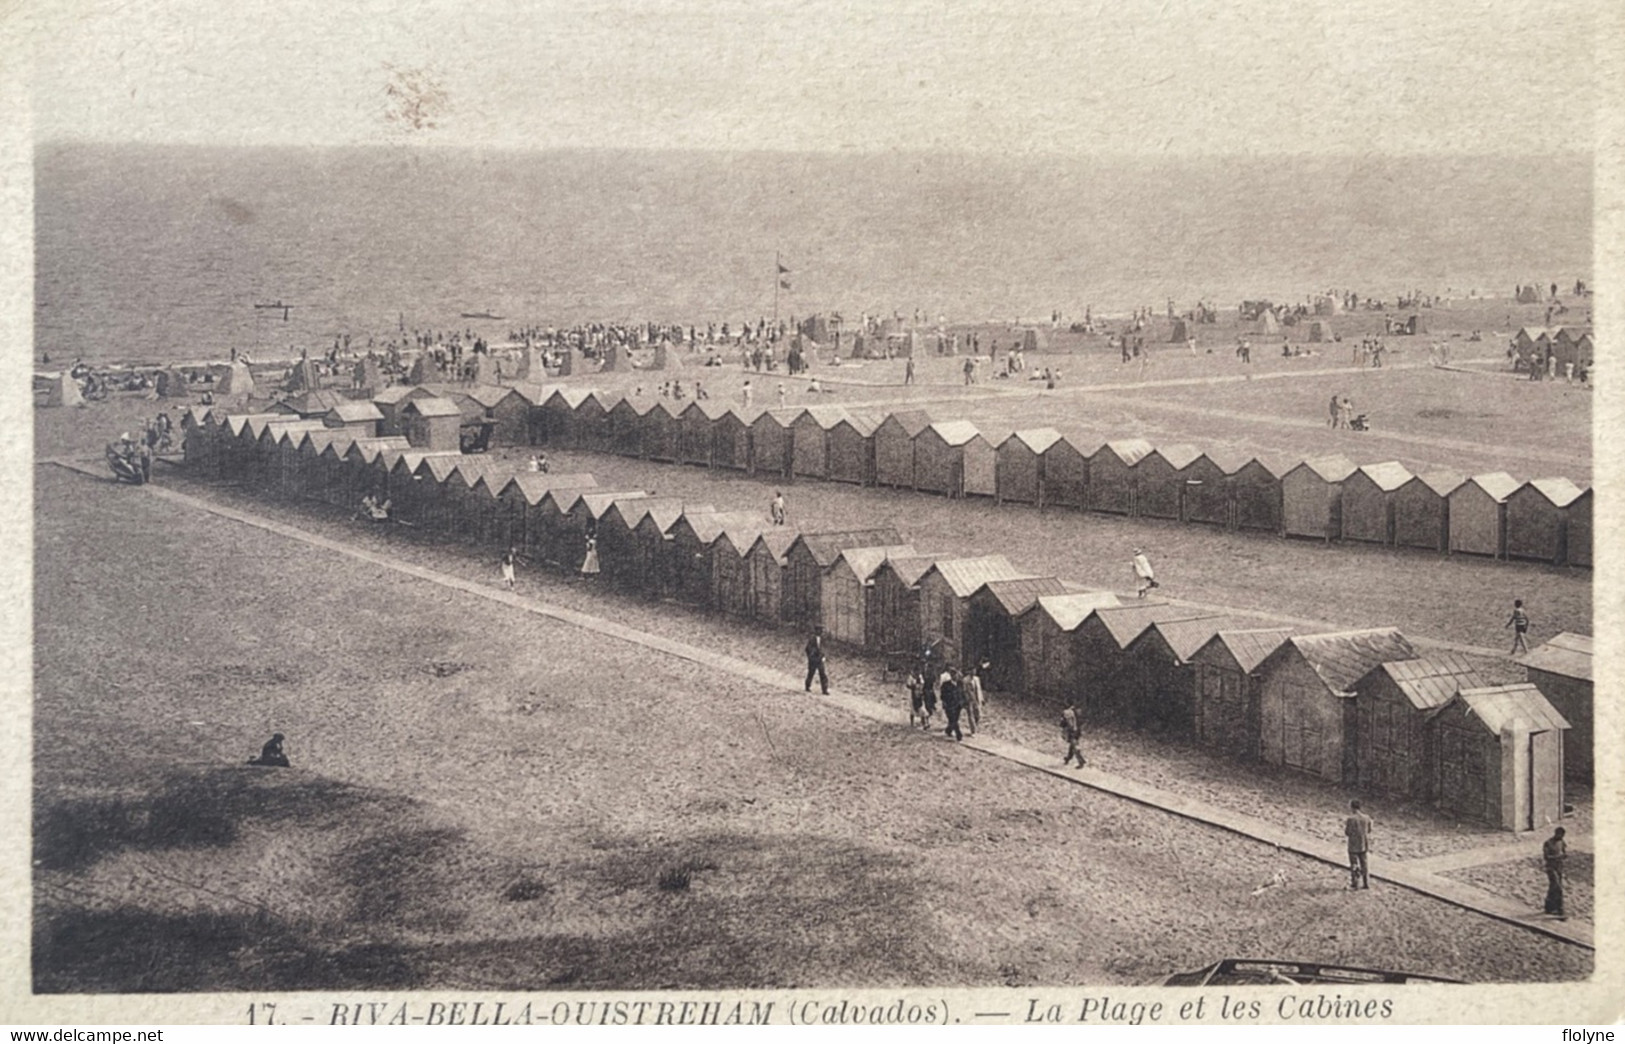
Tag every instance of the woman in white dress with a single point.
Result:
(589, 565)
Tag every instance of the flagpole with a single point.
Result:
(777, 279)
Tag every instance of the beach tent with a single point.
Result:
(1019, 464)
(1312, 497)
(1268, 324)
(766, 562)
(1416, 325)
(806, 560)
(1422, 510)
(1159, 482)
(237, 380)
(1320, 332)
(953, 458)
(1180, 332)
(1227, 715)
(1528, 295)
(992, 632)
(894, 447)
(1393, 734)
(1112, 475)
(1477, 514)
(1306, 693)
(171, 384)
(615, 359)
(303, 377)
(1048, 640)
(1500, 757)
(529, 366)
(772, 443)
(665, 359)
(1368, 501)
(1562, 670)
(845, 591)
(64, 391)
(852, 449)
(1537, 519)
(1034, 340)
(420, 373)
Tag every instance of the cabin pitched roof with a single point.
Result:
(432, 407)
(1250, 647)
(1520, 706)
(355, 411)
(826, 546)
(1442, 483)
(1127, 622)
(1185, 637)
(1017, 596)
(1067, 611)
(965, 575)
(1332, 468)
(1567, 654)
(775, 540)
(1559, 492)
(911, 421)
(1038, 440)
(1129, 451)
(955, 433)
(865, 562)
(910, 568)
(1432, 681)
(1179, 455)
(1498, 484)
(1344, 657)
(1387, 476)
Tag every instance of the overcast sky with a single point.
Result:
(1134, 76)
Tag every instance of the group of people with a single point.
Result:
(959, 692)
(1341, 412)
(131, 459)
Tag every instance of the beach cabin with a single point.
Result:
(357, 417)
(772, 443)
(845, 592)
(1530, 345)
(432, 425)
(548, 524)
(693, 550)
(471, 495)
(313, 404)
(652, 567)
(1064, 473)
(504, 409)
(894, 447)
(1368, 501)
(1312, 497)
(663, 432)
(1394, 705)
(1019, 465)
(1163, 698)
(1500, 757)
(1049, 637)
(621, 559)
(695, 432)
(952, 458)
(810, 435)
(852, 449)
(583, 519)
(1255, 490)
(1159, 482)
(730, 440)
(894, 605)
(1578, 545)
(1537, 519)
(307, 474)
(556, 418)
(518, 522)
(1306, 698)
(625, 427)
(1422, 510)
(1477, 514)
(732, 592)
(806, 560)
(1112, 474)
(1106, 682)
(334, 473)
(390, 401)
(592, 425)
(765, 560)
(1561, 670)
(945, 591)
(1227, 716)
(1205, 486)
(993, 630)
(418, 486)
(1571, 346)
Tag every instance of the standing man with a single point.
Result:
(1519, 622)
(1553, 853)
(973, 697)
(908, 371)
(775, 510)
(1145, 577)
(1072, 732)
(1357, 828)
(815, 661)
(953, 702)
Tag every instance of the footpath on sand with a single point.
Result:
(1416, 875)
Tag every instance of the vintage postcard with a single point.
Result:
(710, 513)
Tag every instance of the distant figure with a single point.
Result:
(1072, 732)
(1519, 622)
(1357, 828)
(815, 661)
(1336, 412)
(917, 714)
(272, 755)
(974, 697)
(509, 558)
(781, 394)
(775, 510)
(908, 371)
(589, 564)
(1553, 854)
(951, 688)
(744, 395)
(1145, 576)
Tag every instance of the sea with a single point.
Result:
(149, 253)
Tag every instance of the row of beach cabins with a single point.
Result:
(1358, 708)
(1326, 498)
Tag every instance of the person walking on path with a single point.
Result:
(917, 714)
(815, 661)
(974, 697)
(1357, 828)
(1336, 412)
(1553, 853)
(509, 558)
(1072, 732)
(589, 564)
(908, 371)
(775, 510)
(1519, 622)
(953, 702)
(1145, 577)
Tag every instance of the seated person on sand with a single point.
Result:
(272, 754)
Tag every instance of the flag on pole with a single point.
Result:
(782, 269)
(783, 282)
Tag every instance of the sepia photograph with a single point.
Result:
(706, 512)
